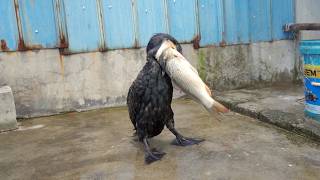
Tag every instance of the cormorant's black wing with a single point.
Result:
(143, 90)
(134, 102)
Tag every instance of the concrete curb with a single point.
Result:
(8, 116)
(256, 105)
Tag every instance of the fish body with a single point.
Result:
(184, 75)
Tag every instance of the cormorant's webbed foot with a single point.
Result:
(151, 155)
(157, 153)
(183, 141)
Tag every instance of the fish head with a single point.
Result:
(167, 50)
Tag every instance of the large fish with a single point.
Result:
(186, 77)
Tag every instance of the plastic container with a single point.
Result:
(310, 50)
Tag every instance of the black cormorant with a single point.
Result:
(149, 101)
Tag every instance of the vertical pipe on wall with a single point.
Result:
(197, 18)
(61, 25)
(103, 43)
(135, 25)
(165, 4)
(21, 44)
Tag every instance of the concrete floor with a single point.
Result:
(98, 145)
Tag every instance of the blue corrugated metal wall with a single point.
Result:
(8, 26)
(118, 24)
(83, 25)
(37, 23)
(236, 17)
(182, 19)
(98, 25)
(210, 22)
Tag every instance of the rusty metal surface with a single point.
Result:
(21, 44)
(3, 45)
(61, 24)
(301, 26)
(196, 42)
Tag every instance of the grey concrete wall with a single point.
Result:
(45, 83)
(307, 11)
(239, 66)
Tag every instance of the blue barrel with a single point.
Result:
(310, 50)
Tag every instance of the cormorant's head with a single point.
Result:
(156, 41)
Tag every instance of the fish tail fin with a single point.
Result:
(216, 106)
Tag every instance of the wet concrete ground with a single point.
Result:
(98, 145)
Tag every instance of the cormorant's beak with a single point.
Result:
(166, 44)
(161, 56)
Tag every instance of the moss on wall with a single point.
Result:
(202, 65)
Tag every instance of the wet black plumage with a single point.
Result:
(149, 100)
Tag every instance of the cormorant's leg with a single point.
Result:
(151, 155)
(181, 140)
